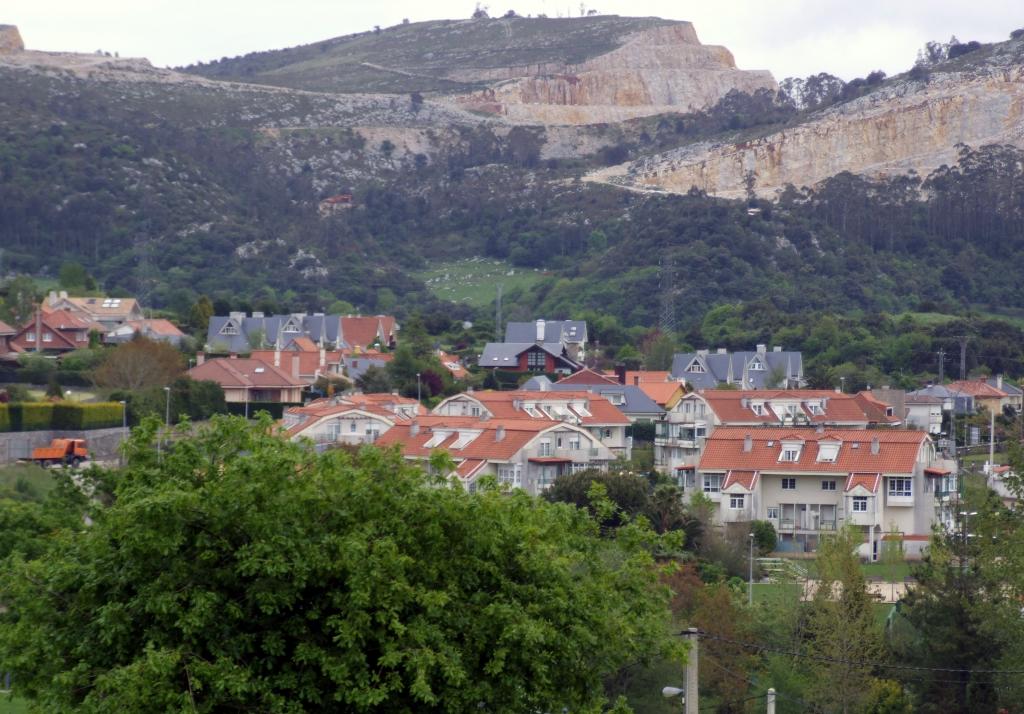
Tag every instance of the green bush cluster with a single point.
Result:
(275, 409)
(39, 416)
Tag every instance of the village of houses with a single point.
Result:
(808, 461)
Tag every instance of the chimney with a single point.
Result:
(748, 444)
(722, 351)
(620, 373)
(999, 381)
(875, 446)
(295, 366)
(414, 428)
(63, 294)
(777, 348)
(499, 433)
(52, 299)
(232, 355)
(761, 349)
(277, 358)
(323, 356)
(540, 330)
(702, 353)
(200, 357)
(258, 315)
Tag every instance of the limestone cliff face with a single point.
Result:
(10, 40)
(663, 69)
(908, 125)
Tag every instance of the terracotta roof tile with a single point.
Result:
(976, 388)
(897, 450)
(661, 392)
(243, 372)
(866, 481)
(588, 376)
(745, 479)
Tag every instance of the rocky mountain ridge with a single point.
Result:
(911, 124)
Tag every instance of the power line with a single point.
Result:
(751, 682)
(861, 663)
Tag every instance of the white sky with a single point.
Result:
(848, 38)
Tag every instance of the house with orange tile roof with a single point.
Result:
(158, 330)
(587, 410)
(986, 395)
(313, 361)
(108, 312)
(246, 380)
(54, 332)
(810, 481)
(351, 419)
(526, 453)
(680, 437)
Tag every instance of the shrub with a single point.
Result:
(68, 415)
(275, 409)
(765, 537)
(962, 49)
(30, 416)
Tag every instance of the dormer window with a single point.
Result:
(790, 452)
(815, 409)
(291, 327)
(828, 453)
(696, 367)
(436, 439)
(464, 439)
(229, 328)
(757, 366)
(758, 409)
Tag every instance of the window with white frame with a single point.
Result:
(436, 438)
(789, 484)
(507, 474)
(901, 487)
(773, 513)
(828, 485)
(757, 365)
(790, 453)
(574, 441)
(695, 367)
(828, 452)
(291, 327)
(30, 336)
(712, 483)
(815, 408)
(860, 504)
(229, 328)
(758, 409)
(544, 447)
(736, 501)
(352, 426)
(578, 466)
(47, 337)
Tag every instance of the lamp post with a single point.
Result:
(419, 397)
(842, 385)
(750, 579)
(167, 409)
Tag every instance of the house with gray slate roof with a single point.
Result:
(760, 369)
(238, 333)
(628, 398)
(571, 333)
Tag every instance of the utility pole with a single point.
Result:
(963, 339)
(942, 365)
(770, 698)
(667, 315)
(691, 673)
(497, 316)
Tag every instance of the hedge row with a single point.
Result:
(42, 416)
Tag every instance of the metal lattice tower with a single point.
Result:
(667, 314)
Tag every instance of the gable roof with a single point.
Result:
(636, 401)
(869, 482)
(506, 354)
(241, 372)
(664, 393)
(487, 446)
(898, 450)
(98, 307)
(352, 331)
(721, 367)
(568, 331)
(736, 406)
(587, 376)
(745, 480)
(504, 405)
(977, 388)
(6, 329)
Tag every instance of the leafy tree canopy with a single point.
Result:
(244, 572)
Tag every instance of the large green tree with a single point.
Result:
(244, 572)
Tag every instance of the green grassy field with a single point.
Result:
(474, 281)
(9, 705)
(25, 481)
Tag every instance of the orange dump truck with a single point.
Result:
(71, 452)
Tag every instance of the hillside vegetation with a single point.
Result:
(427, 56)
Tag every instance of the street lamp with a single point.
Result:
(167, 408)
(673, 692)
(750, 579)
(419, 397)
(842, 385)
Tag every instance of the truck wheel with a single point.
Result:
(75, 462)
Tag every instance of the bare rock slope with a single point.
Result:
(903, 126)
(10, 40)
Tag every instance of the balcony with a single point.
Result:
(675, 442)
(863, 518)
(891, 500)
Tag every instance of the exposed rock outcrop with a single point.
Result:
(658, 70)
(10, 40)
(906, 125)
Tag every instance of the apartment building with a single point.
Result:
(809, 481)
